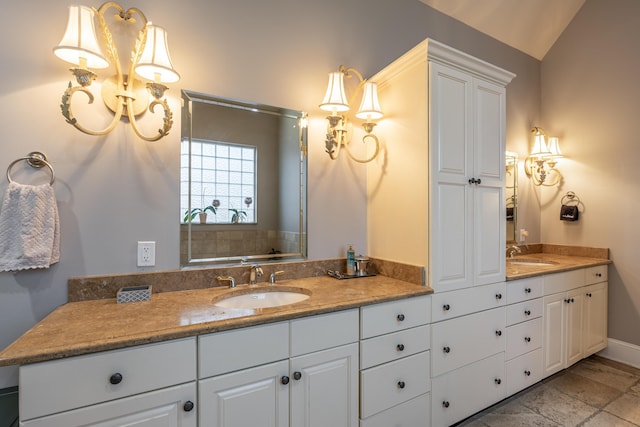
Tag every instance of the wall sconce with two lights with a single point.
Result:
(540, 165)
(122, 93)
(338, 128)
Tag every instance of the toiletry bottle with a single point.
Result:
(351, 261)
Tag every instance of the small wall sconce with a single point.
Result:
(540, 165)
(122, 93)
(335, 101)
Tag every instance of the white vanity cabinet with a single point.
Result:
(524, 333)
(575, 316)
(394, 363)
(296, 373)
(146, 385)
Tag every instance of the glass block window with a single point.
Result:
(221, 172)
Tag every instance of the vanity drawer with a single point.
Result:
(388, 347)
(521, 312)
(524, 337)
(524, 289)
(230, 351)
(413, 413)
(524, 371)
(562, 282)
(324, 331)
(596, 274)
(458, 342)
(87, 380)
(392, 383)
(447, 305)
(394, 316)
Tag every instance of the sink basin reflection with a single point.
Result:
(530, 261)
(263, 298)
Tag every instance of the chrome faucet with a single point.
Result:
(256, 273)
(231, 280)
(272, 276)
(511, 250)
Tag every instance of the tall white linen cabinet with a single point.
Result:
(436, 199)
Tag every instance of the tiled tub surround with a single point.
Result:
(96, 325)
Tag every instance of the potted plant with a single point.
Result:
(189, 215)
(237, 216)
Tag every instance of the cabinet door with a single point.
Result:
(573, 304)
(451, 137)
(489, 234)
(169, 407)
(595, 318)
(554, 327)
(251, 397)
(324, 388)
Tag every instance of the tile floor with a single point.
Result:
(595, 392)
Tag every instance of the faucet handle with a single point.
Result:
(231, 280)
(272, 276)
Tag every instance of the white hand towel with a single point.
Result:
(29, 227)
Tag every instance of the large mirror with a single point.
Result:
(512, 195)
(243, 186)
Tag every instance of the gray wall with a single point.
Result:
(591, 100)
(115, 190)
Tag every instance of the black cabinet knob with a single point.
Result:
(284, 380)
(446, 307)
(527, 290)
(498, 333)
(400, 347)
(589, 295)
(401, 384)
(498, 296)
(572, 300)
(478, 181)
(188, 406)
(115, 378)
(445, 404)
(297, 375)
(446, 349)
(498, 381)
(527, 312)
(567, 300)
(527, 339)
(472, 181)
(598, 274)
(527, 373)
(400, 317)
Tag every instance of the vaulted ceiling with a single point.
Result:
(531, 26)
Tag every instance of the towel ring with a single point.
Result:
(35, 159)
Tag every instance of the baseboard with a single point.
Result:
(622, 352)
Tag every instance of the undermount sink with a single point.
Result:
(263, 298)
(530, 261)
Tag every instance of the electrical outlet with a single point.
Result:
(146, 254)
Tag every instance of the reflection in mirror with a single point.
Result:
(243, 184)
(512, 195)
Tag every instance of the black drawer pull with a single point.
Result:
(297, 375)
(400, 347)
(527, 312)
(446, 307)
(188, 406)
(400, 317)
(527, 339)
(446, 349)
(445, 404)
(527, 290)
(401, 384)
(598, 274)
(498, 333)
(498, 296)
(498, 381)
(284, 380)
(115, 378)
(527, 373)
(589, 295)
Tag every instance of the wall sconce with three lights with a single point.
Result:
(335, 101)
(122, 93)
(540, 165)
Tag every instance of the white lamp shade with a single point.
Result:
(370, 106)
(79, 42)
(335, 99)
(554, 147)
(540, 146)
(155, 62)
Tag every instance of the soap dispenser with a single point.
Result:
(351, 261)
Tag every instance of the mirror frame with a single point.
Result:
(188, 99)
(511, 183)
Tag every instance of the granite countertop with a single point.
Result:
(550, 263)
(84, 327)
